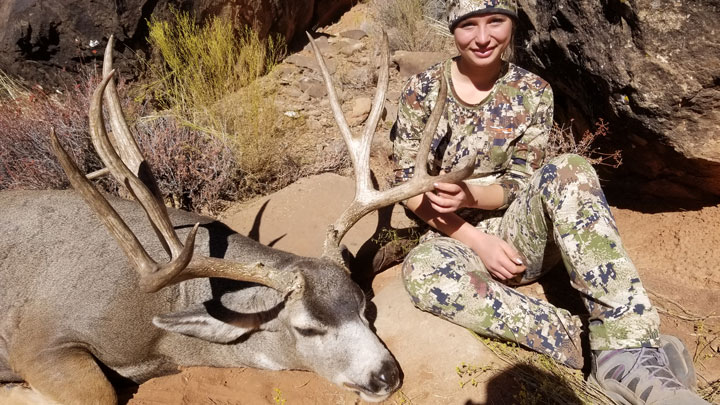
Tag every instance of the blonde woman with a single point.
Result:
(519, 216)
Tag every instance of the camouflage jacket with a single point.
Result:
(508, 130)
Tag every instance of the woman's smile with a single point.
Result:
(482, 40)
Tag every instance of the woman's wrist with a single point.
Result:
(488, 198)
(469, 235)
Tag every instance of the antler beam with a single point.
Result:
(367, 198)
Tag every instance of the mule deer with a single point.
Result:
(72, 303)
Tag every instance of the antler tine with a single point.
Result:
(368, 199)
(335, 104)
(125, 143)
(155, 211)
(153, 276)
(363, 167)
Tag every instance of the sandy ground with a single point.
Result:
(675, 252)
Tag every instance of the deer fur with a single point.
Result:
(70, 302)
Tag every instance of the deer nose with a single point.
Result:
(387, 378)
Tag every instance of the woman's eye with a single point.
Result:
(309, 332)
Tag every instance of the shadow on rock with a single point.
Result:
(528, 384)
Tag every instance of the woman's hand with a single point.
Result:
(449, 197)
(499, 257)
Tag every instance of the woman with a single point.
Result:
(519, 215)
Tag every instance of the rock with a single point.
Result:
(390, 112)
(48, 42)
(293, 92)
(303, 61)
(360, 110)
(354, 34)
(358, 76)
(411, 63)
(322, 43)
(661, 97)
(313, 88)
(284, 73)
(308, 62)
(349, 46)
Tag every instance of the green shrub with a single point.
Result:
(202, 64)
(211, 79)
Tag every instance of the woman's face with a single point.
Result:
(482, 40)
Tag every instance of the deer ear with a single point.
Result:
(204, 323)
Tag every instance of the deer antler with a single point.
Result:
(124, 142)
(183, 266)
(367, 199)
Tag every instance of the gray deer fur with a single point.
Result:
(67, 290)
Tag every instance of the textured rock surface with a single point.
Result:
(649, 67)
(45, 41)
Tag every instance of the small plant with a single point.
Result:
(194, 171)
(410, 238)
(469, 374)
(710, 392)
(204, 64)
(10, 88)
(400, 398)
(278, 397)
(562, 140)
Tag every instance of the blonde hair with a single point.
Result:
(508, 54)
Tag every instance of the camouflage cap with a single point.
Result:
(459, 10)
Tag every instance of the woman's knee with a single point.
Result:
(570, 163)
(567, 169)
(435, 266)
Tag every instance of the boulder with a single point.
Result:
(413, 62)
(650, 69)
(48, 42)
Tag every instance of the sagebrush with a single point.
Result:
(26, 117)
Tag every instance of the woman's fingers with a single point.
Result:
(446, 197)
(442, 204)
(501, 273)
(517, 259)
(447, 188)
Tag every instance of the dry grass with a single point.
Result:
(413, 25)
(539, 378)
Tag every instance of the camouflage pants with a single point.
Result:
(561, 214)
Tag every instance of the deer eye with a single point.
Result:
(309, 332)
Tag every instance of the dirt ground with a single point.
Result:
(675, 252)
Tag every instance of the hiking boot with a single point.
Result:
(679, 360)
(640, 376)
(391, 254)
